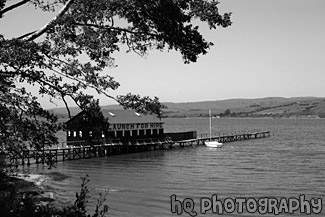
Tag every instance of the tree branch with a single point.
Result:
(66, 105)
(25, 35)
(118, 29)
(76, 79)
(42, 30)
(2, 12)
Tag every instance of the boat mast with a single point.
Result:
(210, 122)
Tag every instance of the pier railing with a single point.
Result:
(77, 150)
(228, 133)
(123, 147)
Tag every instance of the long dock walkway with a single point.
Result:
(226, 138)
(104, 150)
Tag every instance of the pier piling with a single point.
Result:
(86, 152)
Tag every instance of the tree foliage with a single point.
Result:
(74, 51)
(17, 203)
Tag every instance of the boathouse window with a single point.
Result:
(80, 133)
(85, 118)
(161, 131)
(103, 135)
(119, 133)
(148, 132)
(127, 133)
(69, 133)
(141, 132)
(90, 133)
(134, 133)
(74, 133)
(155, 132)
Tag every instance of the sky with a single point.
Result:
(274, 48)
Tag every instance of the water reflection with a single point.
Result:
(287, 164)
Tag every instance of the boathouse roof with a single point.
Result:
(123, 117)
(129, 116)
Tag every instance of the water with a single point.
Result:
(290, 163)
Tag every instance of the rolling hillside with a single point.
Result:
(276, 107)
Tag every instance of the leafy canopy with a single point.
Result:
(73, 52)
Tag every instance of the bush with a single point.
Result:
(15, 204)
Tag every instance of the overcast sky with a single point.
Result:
(273, 48)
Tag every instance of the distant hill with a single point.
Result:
(277, 107)
(62, 112)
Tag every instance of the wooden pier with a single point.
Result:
(105, 150)
(226, 138)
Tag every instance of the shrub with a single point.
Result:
(15, 204)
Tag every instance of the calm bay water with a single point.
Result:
(289, 163)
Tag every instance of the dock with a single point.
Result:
(233, 137)
(45, 156)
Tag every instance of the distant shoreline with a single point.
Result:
(251, 117)
(273, 107)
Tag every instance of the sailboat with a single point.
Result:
(210, 143)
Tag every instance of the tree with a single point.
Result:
(50, 57)
(227, 112)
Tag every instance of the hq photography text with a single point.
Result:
(263, 205)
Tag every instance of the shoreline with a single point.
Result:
(36, 179)
(34, 186)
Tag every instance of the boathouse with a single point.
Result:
(123, 126)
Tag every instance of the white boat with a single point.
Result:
(210, 143)
(213, 144)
